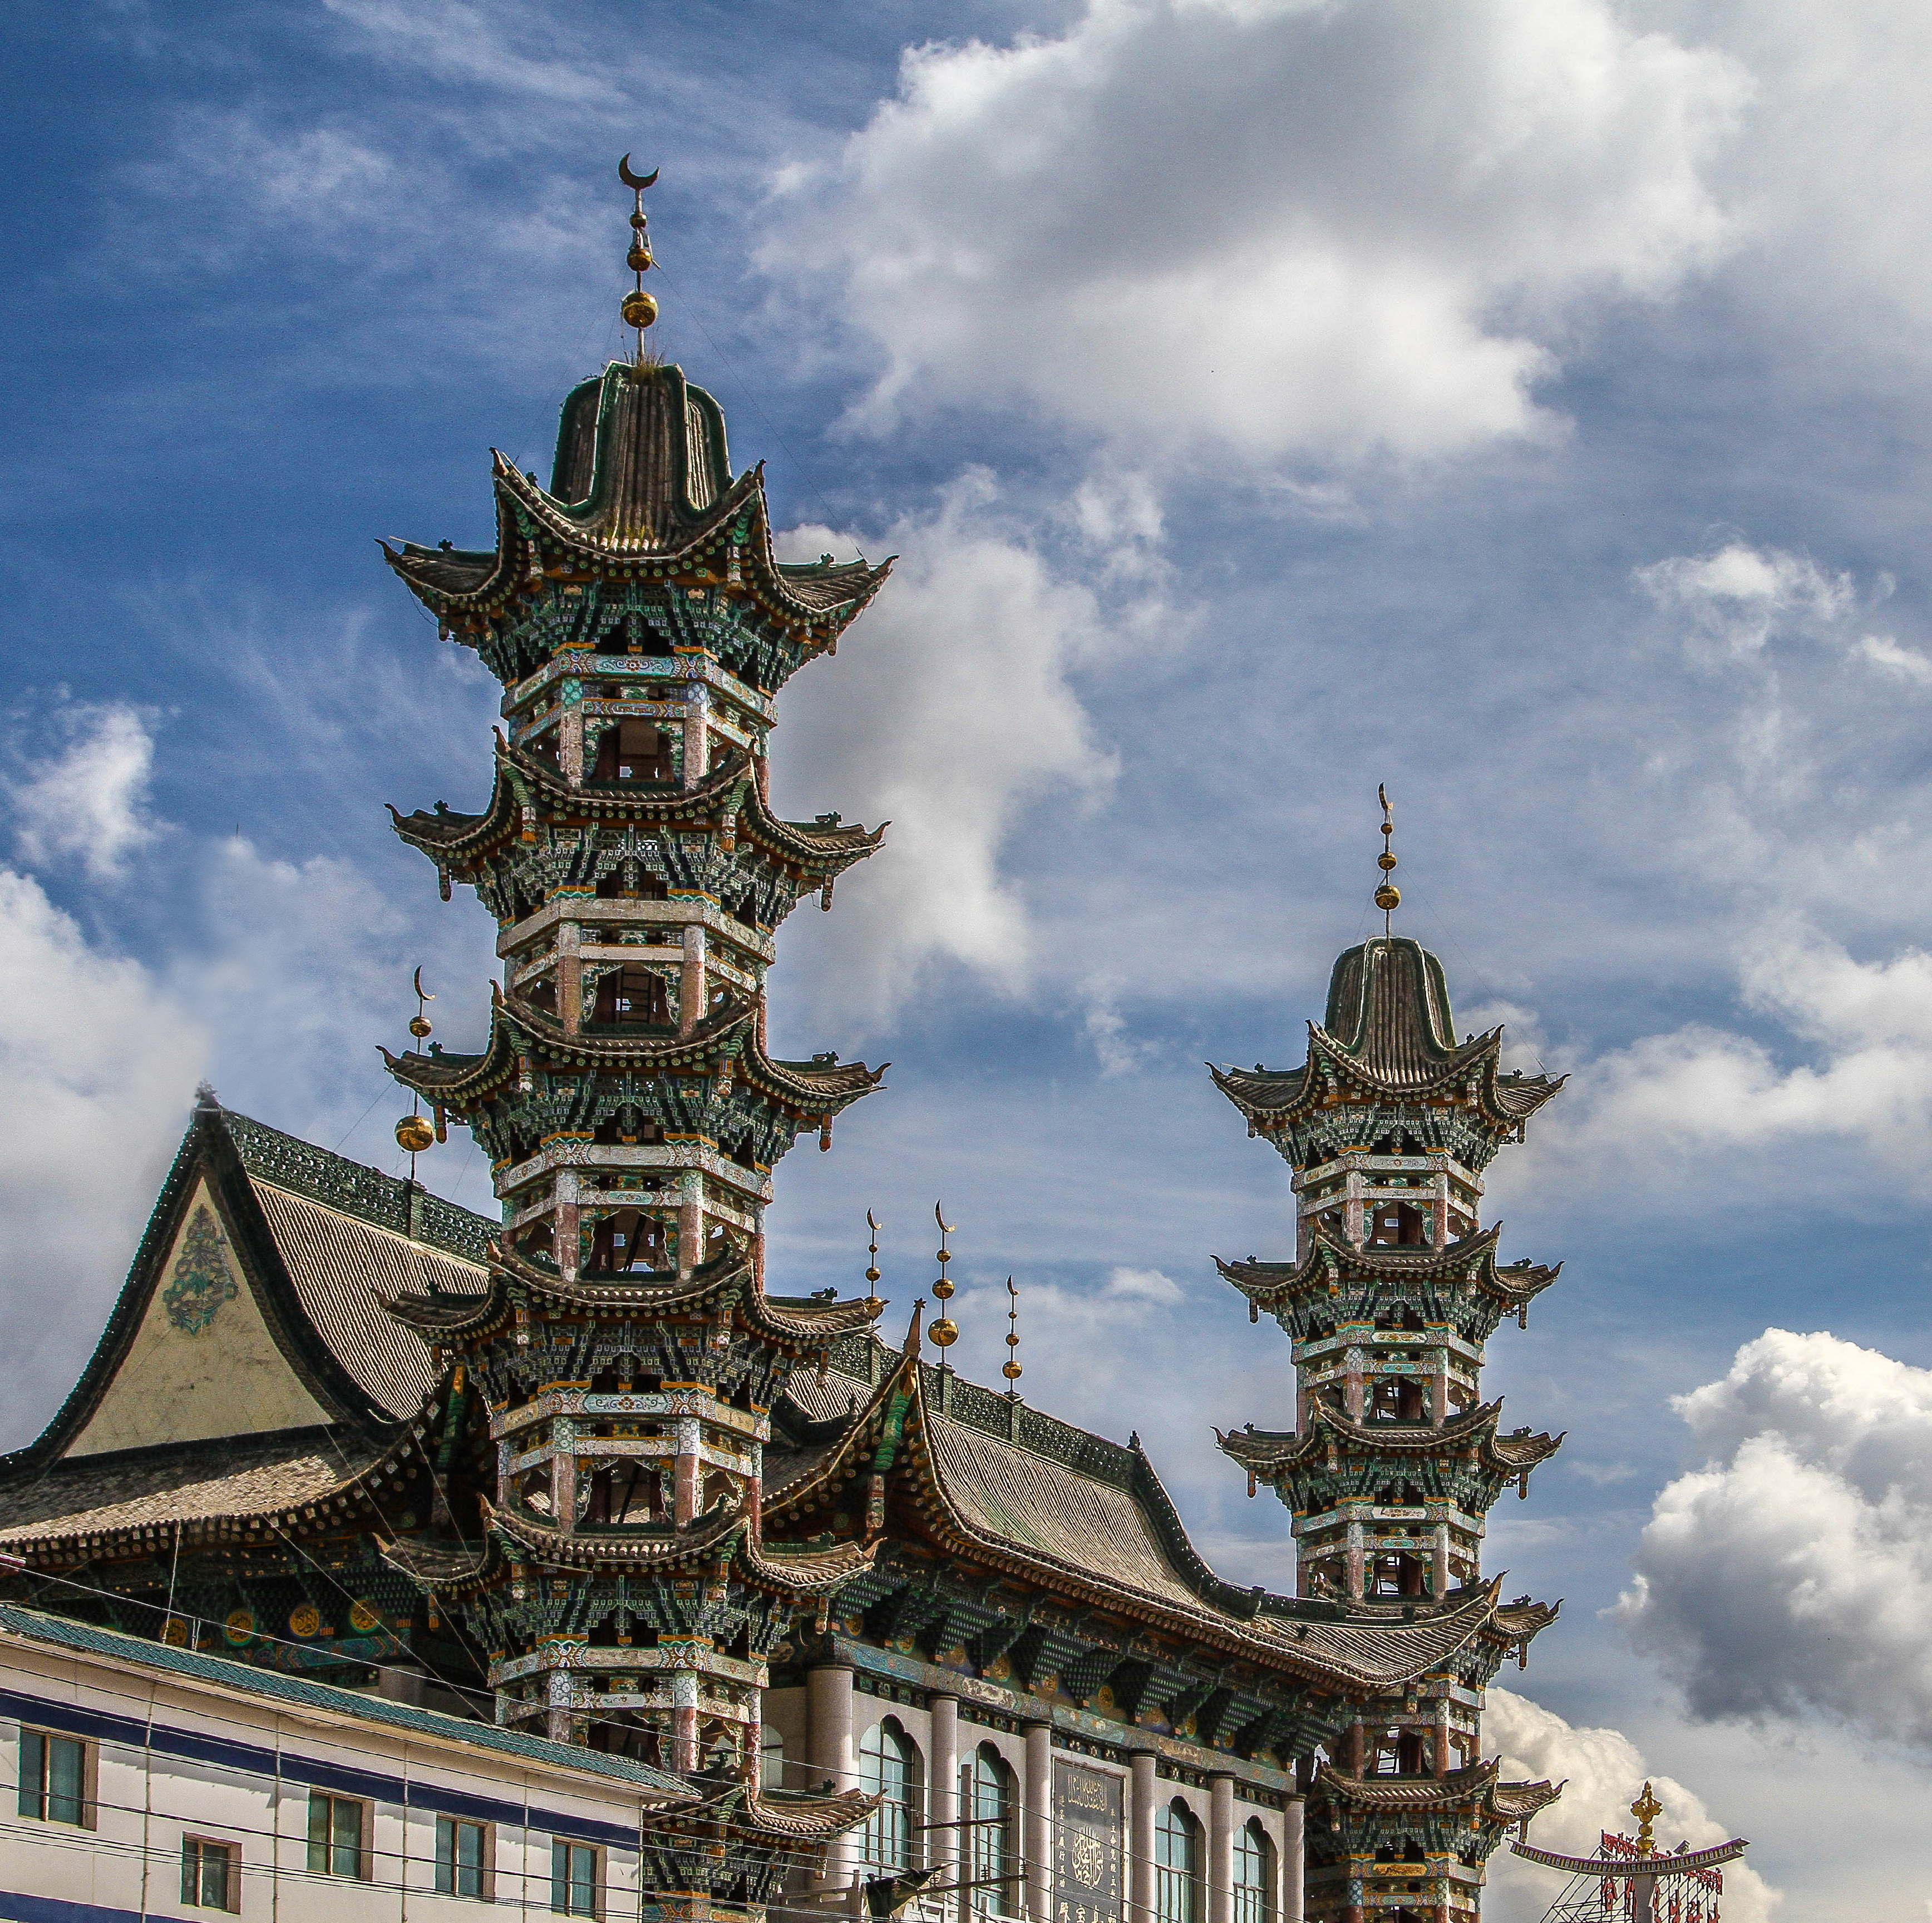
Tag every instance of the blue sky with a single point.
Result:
(1524, 403)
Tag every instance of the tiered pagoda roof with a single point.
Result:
(641, 489)
(459, 843)
(1273, 1453)
(1008, 1489)
(1476, 1788)
(1511, 1286)
(731, 1033)
(1389, 1036)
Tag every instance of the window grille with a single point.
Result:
(460, 1857)
(886, 1758)
(1177, 1856)
(573, 1878)
(337, 1825)
(53, 1778)
(208, 1878)
(995, 1852)
(1254, 1875)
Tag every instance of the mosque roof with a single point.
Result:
(1086, 1518)
(1476, 1787)
(1388, 1034)
(641, 485)
(457, 840)
(1475, 1429)
(250, 1368)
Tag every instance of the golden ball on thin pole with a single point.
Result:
(944, 1332)
(414, 1134)
(640, 309)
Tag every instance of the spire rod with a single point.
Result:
(640, 309)
(874, 1306)
(1012, 1370)
(944, 1332)
(1388, 896)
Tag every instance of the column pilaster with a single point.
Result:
(1144, 1787)
(1036, 1831)
(1220, 1848)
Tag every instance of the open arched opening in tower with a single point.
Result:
(634, 750)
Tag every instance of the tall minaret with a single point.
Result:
(1394, 1458)
(626, 1352)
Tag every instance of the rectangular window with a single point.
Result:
(573, 1878)
(462, 1857)
(53, 1778)
(210, 1879)
(337, 1825)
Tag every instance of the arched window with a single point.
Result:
(995, 1852)
(1254, 1875)
(1176, 1858)
(887, 1767)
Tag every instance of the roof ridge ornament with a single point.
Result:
(640, 309)
(1388, 896)
(944, 1332)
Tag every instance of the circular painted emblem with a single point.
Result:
(364, 1617)
(175, 1633)
(239, 1629)
(304, 1619)
(201, 1283)
(1088, 1861)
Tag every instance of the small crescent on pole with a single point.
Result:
(421, 994)
(630, 179)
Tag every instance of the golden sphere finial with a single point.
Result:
(414, 1134)
(944, 1332)
(1388, 896)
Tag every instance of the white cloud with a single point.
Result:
(1270, 226)
(1792, 1574)
(1143, 1285)
(1659, 1110)
(89, 801)
(100, 1065)
(949, 710)
(1740, 596)
(1604, 1770)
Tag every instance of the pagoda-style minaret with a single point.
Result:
(1395, 1458)
(626, 1350)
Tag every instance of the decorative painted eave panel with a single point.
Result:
(648, 452)
(454, 840)
(1331, 1258)
(728, 1035)
(1473, 1791)
(1474, 1431)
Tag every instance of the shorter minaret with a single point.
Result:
(1394, 1458)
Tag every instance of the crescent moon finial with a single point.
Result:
(630, 179)
(420, 995)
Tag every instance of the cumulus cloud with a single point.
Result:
(88, 803)
(1863, 1032)
(100, 1064)
(1738, 598)
(1604, 1770)
(950, 709)
(1269, 226)
(1791, 1575)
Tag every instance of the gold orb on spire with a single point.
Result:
(640, 309)
(414, 1134)
(1388, 896)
